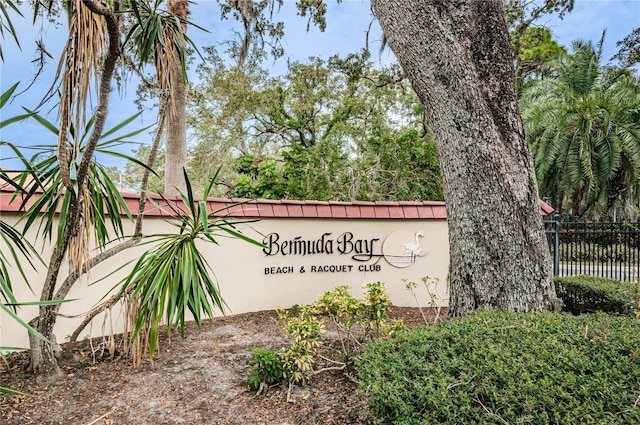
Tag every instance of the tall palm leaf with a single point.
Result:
(159, 37)
(15, 248)
(6, 26)
(15, 251)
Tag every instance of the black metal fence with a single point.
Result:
(610, 250)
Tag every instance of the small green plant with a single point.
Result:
(345, 311)
(265, 368)
(82, 364)
(431, 286)
(299, 358)
(376, 306)
(354, 321)
(357, 321)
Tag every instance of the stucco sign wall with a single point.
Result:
(309, 248)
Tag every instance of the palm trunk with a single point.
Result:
(43, 359)
(44, 355)
(457, 55)
(176, 135)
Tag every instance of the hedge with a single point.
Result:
(497, 368)
(588, 294)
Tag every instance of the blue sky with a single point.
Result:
(346, 27)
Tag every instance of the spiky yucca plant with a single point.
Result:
(173, 276)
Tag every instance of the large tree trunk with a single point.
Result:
(457, 55)
(176, 134)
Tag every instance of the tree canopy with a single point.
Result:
(583, 126)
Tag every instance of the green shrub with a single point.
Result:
(265, 368)
(588, 294)
(299, 358)
(496, 368)
(356, 322)
(376, 307)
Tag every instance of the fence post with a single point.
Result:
(552, 231)
(556, 247)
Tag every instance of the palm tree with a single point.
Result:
(72, 181)
(176, 138)
(583, 128)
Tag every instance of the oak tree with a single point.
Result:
(458, 57)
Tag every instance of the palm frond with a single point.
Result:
(6, 8)
(45, 197)
(584, 132)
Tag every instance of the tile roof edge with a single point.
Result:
(329, 209)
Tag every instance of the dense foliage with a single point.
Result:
(396, 167)
(339, 129)
(594, 252)
(584, 131)
(588, 294)
(535, 52)
(496, 368)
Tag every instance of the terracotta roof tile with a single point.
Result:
(235, 211)
(287, 208)
(545, 209)
(367, 211)
(425, 212)
(266, 211)
(324, 211)
(268, 201)
(353, 211)
(396, 211)
(280, 210)
(251, 210)
(309, 211)
(381, 212)
(411, 211)
(439, 212)
(338, 211)
(294, 210)
(238, 200)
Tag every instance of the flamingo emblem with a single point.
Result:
(413, 247)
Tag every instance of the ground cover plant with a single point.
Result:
(588, 294)
(507, 368)
(354, 322)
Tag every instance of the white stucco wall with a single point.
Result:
(249, 278)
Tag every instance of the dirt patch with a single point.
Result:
(197, 380)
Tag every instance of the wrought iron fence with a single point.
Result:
(610, 250)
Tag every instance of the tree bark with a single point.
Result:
(176, 135)
(457, 55)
